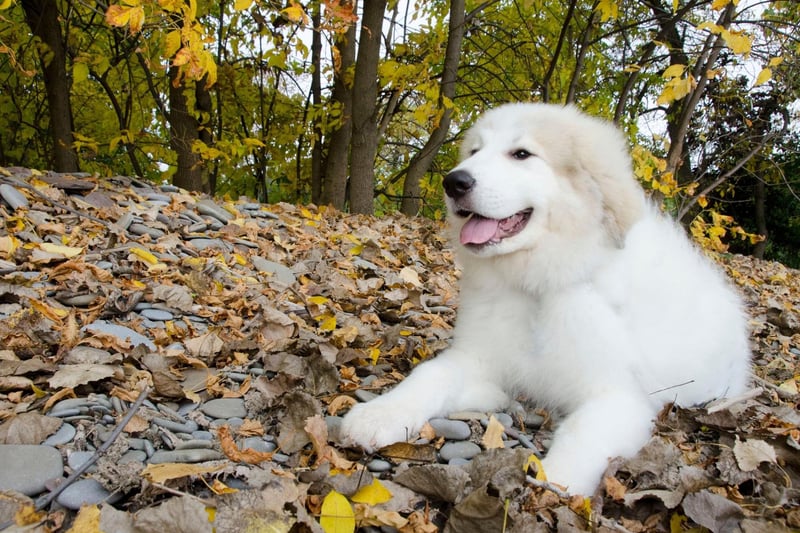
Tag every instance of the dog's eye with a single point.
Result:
(473, 151)
(521, 154)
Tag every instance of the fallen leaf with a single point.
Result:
(248, 455)
(751, 453)
(187, 511)
(28, 428)
(87, 521)
(162, 472)
(715, 512)
(337, 514)
(71, 376)
(493, 436)
(372, 494)
(317, 431)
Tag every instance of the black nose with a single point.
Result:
(458, 183)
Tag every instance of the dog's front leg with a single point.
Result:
(452, 381)
(611, 424)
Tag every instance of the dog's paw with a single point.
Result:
(374, 424)
(578, 478)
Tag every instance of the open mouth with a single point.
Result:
(479, 230)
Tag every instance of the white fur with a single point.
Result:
(600, 309)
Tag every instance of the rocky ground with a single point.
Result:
(169, 361)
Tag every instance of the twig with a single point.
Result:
(782, 394)
(725, 403)
(44, 501)
(547, 486)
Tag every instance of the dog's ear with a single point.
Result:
(603, 154)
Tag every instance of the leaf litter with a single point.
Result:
(309, 306)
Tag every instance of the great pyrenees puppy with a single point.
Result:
(576, 293)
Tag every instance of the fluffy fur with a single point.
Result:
(575, 293)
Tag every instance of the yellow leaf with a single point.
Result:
(295, 13)
(5, 4)
(317, 300)
(328, 323)
(66, 251)
(8, 245)
(673, 71)
(80, 72)
(356, 250)
(144, 255)
(775, 61)
(87, 521)
(241, 5)
(372, 494)
(702, 201)
(337, 514)
(719, 4)
(374, 353)
(764, 76)
(608, 9)
(533, 460)
(172, 43)
(738, 41)
(50, 312)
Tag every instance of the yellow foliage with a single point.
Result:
(764, 76)
(87, 521)
(608, 9)
(710, 234)
(372, 494)
(337, 514)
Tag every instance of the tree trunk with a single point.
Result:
(364, 144)
(759, 204)
(334, 187)
(42, 17)
(422, 160)
(316, 102)
(184, 130)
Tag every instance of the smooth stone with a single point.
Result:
(203, 243)
(281, 272)
(365, 395)
(504, 418)
(125, 220)
(194, 444)
(460, 449)
(466, 415)
(155, 197)
(64, 434)
(224, 408)
(123, 333)
(458, 461)
(133, 456)
(333, 424)
(192, 455)
(209, 208)
(180, 427)
(69, 403)
(379, 465)
(450, 429)
(156, 314)
(140, 229)
(26, 468)
(85, 492)
(202, 435)
(13, 197)
(82, 300)
(258, 444)
(533, 420)
(169, 188)
(77, 459)
(280, 457)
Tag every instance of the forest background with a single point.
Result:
(360, 106)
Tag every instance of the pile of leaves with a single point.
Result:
(358, 297)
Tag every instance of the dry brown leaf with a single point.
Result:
(250, 428)
(318, 433)
(404, 451)
(341, 402)
(73, 375)
(493, 436)
(28, 428)
(614, 488)
(137, 424)
(248, 455)
(204, 347)
(427, 432)
(60, 395)
(162, 472)
(751, 453)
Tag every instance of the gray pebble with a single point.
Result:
(156, 314)
(203, 243)
(258, 444)
(140, 229)
(202, 435)
(122, 333)
(224, 408)
(458, 461)
(533, 420)
(333, 423)
(13, 197)
(186, 427)
(77, 459)
(281, 272)
(208, 207)
(280, 457)
(133, 456)
(461, 449)
(194, 444)
(195, 455)
(64, 434)
(450, 429)
(364, 395)
(85, 492)
(505, 419)
(379, 465)
(26, 468)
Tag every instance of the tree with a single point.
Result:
(43, 18)
(364, 141)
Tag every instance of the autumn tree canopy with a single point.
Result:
(359, 105)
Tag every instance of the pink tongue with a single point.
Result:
(479, 230)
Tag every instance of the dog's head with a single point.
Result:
(530, 172)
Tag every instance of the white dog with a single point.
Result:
(575, 293)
